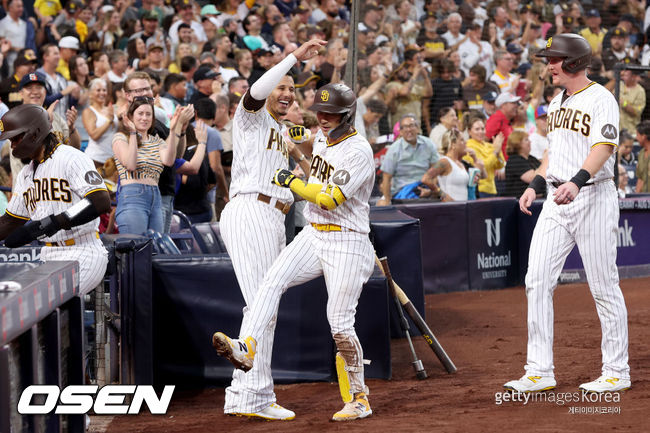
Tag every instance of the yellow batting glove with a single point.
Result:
(299, 134)
(283, 178)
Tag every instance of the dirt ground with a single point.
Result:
(485, 335)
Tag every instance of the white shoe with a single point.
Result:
(240, 352)
(273, 412)
(356, 409)
(606, 384)
(531, 384)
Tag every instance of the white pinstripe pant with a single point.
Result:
(346, 260)
(91, 255)
(254, 235)
(591, 223)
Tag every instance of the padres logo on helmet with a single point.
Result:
(325, 95)
(2, 126)
(549, 42)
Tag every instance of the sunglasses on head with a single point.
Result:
(148, 99)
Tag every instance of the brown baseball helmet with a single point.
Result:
(574, 49)
(29, 120)
(339, 99)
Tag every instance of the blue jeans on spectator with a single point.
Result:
(167, 211)
(138, 209)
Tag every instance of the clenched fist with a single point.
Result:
(299, 134)
(283, 178)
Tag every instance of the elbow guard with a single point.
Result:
(330, 198)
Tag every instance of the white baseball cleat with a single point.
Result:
(240, 352)
(531, 384)
(274, 412)
(606, 384)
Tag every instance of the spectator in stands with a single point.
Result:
(538, 139)
(57, 87)
(506, 81)
(405, 92)
(173, 94)
(182, 50)
(100, 122)
(192, 195)
(119, 62)
(501, 121)
(223, 50)
(593, 32)
(521, 165)
(475, 52)
(238, 86)
(140, 156)
(406, 160)
(137, 51)
(68, 48)
(448, 121)
(478, 89)
(617, 52)
(453, 36)
(110, 32)
(185, 11)
(157, 63)
(24, 64)
(18, 32)
(632, 100)
(80, 74)
(451, 170)
(204, 82)
(448, 93)
(489, 153)
(623, 186)
(627, 159)
(643, 157)
(375, 110)
(65, 22)
(372, 15)
(244, 63)
(99, 65)
(223, 124)
(435, 46)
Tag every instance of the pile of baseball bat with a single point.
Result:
(403, 303)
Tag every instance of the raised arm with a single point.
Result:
(262, 88)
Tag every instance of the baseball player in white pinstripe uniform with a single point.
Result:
(57, 197)
(581, 209)
(252, 223)
(335, 245)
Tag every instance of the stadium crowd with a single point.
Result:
(450, 94)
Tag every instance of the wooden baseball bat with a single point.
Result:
(413, 313)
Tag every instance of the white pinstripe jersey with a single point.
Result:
(588, 117)
(348, 164)
(59, 182)
(258, 150)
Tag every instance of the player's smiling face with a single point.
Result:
(282, 97)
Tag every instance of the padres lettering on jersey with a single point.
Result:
(51, 187)
(47, 189)
(577, 123)
(258, 151)
(567, 118)
(277, 143)
(321, 169)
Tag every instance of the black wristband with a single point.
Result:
(581, 178)
(538, 184)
